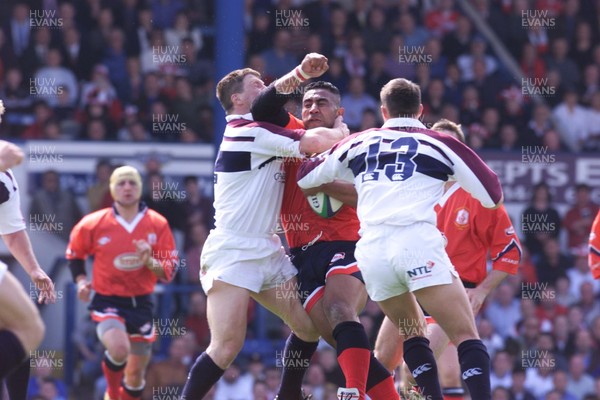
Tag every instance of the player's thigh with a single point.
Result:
(449, 367)
(283, 300)
(113, 335)
(19, 314)
(345, 297)
(227, 312)
(405, 314)
(457, 321)
(388, 346)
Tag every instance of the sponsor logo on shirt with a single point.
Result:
(279, 177)
(462, 218)
(422, 271)
(103, 240)
(510, 231)
(127, 262)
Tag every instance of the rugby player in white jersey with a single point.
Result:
(21, 327)
(242, 256)
(399, 172)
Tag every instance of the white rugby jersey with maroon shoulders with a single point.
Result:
(11, 218)
(399, 171)
(249, 175)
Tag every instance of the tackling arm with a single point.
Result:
(338, 189)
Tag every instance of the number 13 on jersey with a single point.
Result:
(397, 165)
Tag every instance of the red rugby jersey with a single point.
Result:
(594, 256)
(117, 270)
(300, 223)
(472, 230)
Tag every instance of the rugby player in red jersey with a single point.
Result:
(472, 231)
(330, 283)
(243, 257)
(133, 248)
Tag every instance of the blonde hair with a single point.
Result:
(449, 127)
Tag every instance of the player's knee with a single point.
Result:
(306, 331)
(38, 331)
(338, 311)
(119, 351)
(458, 337)
(226, 349)
(386, 358)
(31, 332)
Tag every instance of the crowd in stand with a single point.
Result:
(113, 68)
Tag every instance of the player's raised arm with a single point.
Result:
(269, 105)
(10, 155)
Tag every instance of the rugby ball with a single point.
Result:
(324, 205)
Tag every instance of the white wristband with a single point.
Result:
(301, 75)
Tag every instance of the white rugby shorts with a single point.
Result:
(399, 259)
(3, 269)
(253, 262)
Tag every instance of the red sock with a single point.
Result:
(131, 394)
(384, 390)
(354, 354)
(354, 362)
(113, 374)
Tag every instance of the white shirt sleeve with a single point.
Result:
(11, 218)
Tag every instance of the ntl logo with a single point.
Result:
(422, 270)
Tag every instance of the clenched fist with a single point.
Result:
(10, 155)
(314, 65)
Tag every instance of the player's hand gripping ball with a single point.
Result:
(324, 205)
